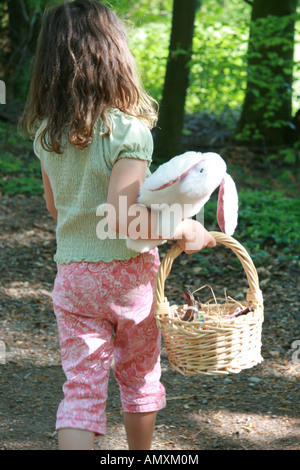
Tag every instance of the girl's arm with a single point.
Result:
(125, 182)
(49, 195)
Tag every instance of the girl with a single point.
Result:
(91, 120)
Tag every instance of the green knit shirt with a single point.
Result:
(79, 180)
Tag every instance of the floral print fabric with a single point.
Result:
(105, 313)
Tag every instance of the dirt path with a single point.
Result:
(256, 409)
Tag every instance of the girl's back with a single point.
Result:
(79, 180)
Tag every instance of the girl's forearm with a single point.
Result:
(137, 222)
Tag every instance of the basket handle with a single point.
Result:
(254, 294)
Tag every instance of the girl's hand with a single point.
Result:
(191, 236)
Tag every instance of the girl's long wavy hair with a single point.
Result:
(82, 68)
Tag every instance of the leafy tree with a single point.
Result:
(267, 110)
(20, 22)
(146, 9)
(169, 129)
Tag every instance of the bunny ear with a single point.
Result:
(227, 212)
(177, 178)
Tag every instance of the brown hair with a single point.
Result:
(82, 68)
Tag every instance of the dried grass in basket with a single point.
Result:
(214, 347)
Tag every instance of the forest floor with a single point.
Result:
(257, 409)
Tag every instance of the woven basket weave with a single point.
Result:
(215, 347)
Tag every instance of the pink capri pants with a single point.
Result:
(105, 311)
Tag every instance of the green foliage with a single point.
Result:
(9, 165)
(218, 66)
(142, 11)
(20, 171)
(23, 185)
(16, 54)
(268, 221)
(269, 76)
(149, 44)
(217, 80)
(218, 74)
(290, 155)
(269, 218)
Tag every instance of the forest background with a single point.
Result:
(226, 75)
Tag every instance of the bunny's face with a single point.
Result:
(185, 179)
(205, 177)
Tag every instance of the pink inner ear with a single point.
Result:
(221, 206)
(227, 212)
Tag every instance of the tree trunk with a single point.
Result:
(18, 31)
(267, 111)
(22, 31)
(169, 128)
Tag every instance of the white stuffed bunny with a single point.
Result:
(186, 182)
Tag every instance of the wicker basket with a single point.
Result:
(214, 347)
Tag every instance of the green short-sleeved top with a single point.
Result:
(79, 180)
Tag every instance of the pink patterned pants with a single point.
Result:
(105, 311)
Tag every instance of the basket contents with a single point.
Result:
(240, 311)
(192, 312)
(197, 311)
